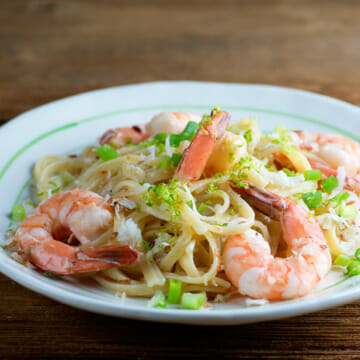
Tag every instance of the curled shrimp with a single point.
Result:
(333, 150)
(166, 122)
(196, 156)
(256, 273)
(79, 214)
(170, 122)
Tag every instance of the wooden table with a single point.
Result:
(51, 49)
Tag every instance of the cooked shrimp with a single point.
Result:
(124, 135)
(334, 150)
(195, 157)
(170, 122)
(350, 182)
(256, 273)
(165, 122)
(79, 214)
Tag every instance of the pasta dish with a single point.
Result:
(188, 208)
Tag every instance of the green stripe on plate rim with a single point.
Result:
(168, 107)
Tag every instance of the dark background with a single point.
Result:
(50, 49)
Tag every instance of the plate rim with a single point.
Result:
(218, 317)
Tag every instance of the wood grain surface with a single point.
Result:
(51, 49)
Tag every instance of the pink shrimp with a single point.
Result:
(79, 214)
(256, 273)
(351, 183)
(168, 122)
(195, 157)
(334, 150)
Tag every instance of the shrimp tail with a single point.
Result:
(120, 255)
(60, 258)
(195, 157)
(264, 201)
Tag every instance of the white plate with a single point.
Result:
(76, 121)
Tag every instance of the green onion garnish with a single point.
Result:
(357, 254)
(202, 208)
(106, 152)
(175, 159)
(174, 293)
(192, 301)
(347, 211)
(160, 137)
(164, 162)
(313, 175)
(353, 268)
(312, 199)
(175, 140)
(190, 130)
(158, 300)
(339, 198)
(18, 213)
(168, 162)
(248, 135)
(343, 260)
(330, 184)
(289, 172)
(352, 265)
(187, 134)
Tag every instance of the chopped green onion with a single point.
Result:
(175, 159)
(353, 268)
(161, 137)
(175, 140)
(313, 175)
(215, 110)
(248, 135)
(330, 184)
(343, 260)
(189, 203)
(190, 130)
(339, 198)
(168, 162)
(30, 203)
(18, 213)
(202, 208)
(106, 152)
(289, 172)
(192, 301)
(158, 300)
(188, 134)
(312, 199)
(147, 245)
(174, 293)
(347, 211)
(357, 254)
(352, 265)
(164, 162)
